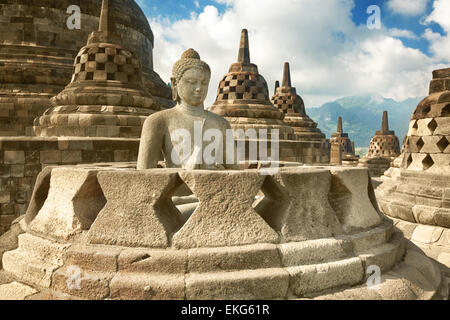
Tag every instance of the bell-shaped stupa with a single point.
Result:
(416, 191)
(292, 106)
(340, 140)
(243, 97)
(384, 148)
(106, 97)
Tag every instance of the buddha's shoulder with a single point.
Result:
(161, 116)
(217, 118)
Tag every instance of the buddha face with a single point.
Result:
(193, 87)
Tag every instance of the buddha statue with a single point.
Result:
(188, 136)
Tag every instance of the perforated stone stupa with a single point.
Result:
(37, 51)
(417, 191)
(384, 148)
(312, 234)
(243, 99)
(342, 148)
(106, 97)
(291, 104)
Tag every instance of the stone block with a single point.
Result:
(225, 216)
(296, 204)
(71, 156)
(349, 197)
(262, 284)
(315, 278)
(153, 261)
(144, 212)
(16, 291)
(427, 234)
(74, 201)
(311, 252)
(50, 157)
(14, 157)
(259, 256)
(141, 286)
(93, 258)
(91, 285)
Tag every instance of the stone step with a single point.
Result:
(41, 249)
(305, 280)
(81, 284)
(28, 268)
(260, 284)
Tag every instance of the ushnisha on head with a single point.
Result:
(190, 79)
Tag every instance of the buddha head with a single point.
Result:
(190, 79)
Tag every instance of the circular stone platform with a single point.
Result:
(114, 233)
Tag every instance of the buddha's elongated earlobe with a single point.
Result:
(174, 89)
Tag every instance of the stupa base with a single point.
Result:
(112, 232)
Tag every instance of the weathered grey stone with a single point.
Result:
(303, 212)
(259, 256)
(140, 203)
(16, 291)
(259, 284)
(73, 203)
(349, 198)
(153, 261)
(311, 252)
(225, 216)
(319, 277)
(141, 286)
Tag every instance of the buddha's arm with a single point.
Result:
(151, 145)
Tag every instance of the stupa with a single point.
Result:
(291, 104)
(243, 99)
(37, 50)
(342, 148)
(114, 232)
(106, 97)
(384, 148)
(416, 192)
(95, 119)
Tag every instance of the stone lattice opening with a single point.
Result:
(427, 162)
(446, 111)
(89, 201)
(443, 144)
(185, 201)
(420, 143)
(271, 203)
(340, 198)
(409, 161)
(432, 126)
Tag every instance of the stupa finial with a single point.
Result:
(385, 124)
(277, 85)
(287, 76)
(244, 48)
(340, 129)
(106, 24)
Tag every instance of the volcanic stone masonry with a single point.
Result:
(342, 148)
(312, 235)
(291, 104)
(37, 51)
(416, 192)
(97, 118)
(243, 99)
(384, 148)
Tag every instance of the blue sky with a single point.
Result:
(182, 9)
(332, 52)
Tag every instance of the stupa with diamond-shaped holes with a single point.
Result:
(416, 191)
(384, 148)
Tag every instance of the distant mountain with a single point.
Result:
(362, 116)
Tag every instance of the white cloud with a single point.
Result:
(439, 44)
(408, 7)
(401, 33)
(330, 57)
